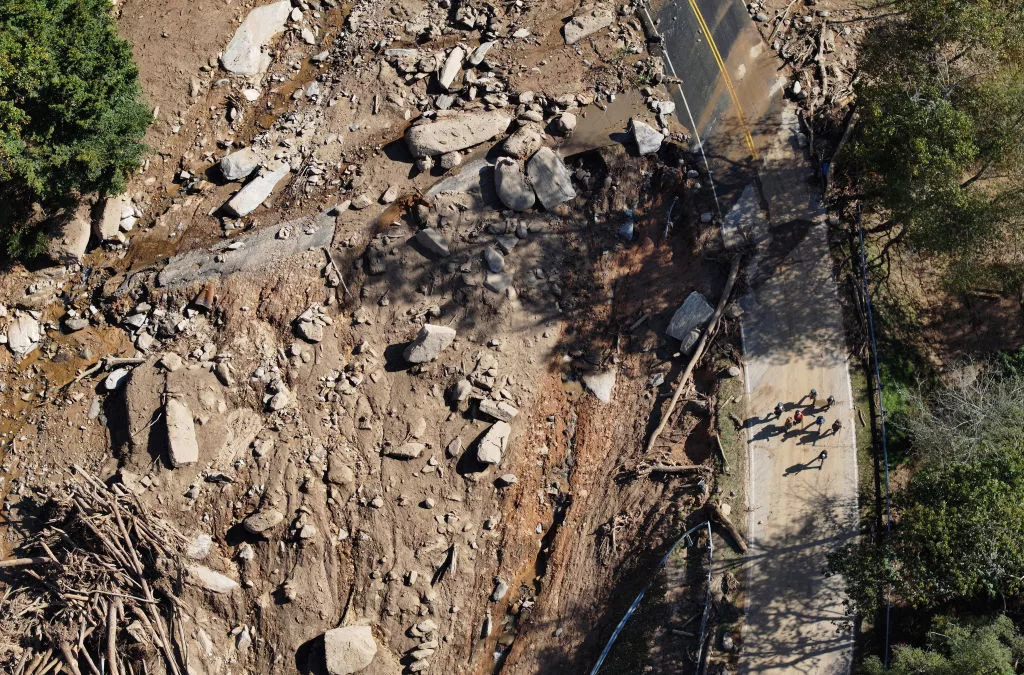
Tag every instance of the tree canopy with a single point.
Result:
(71, 110)
(990, 648)
(940, 141)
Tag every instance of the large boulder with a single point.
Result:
(240, 165)
(244, 55)
(648, 139)
(524, 141)
(455, 131)
(550, 178)
(71, 237)
(256, 191)
(23, 334)
(586, 22)
(430, 342)
(181, 434)
(513, 188)
(689, 319)
(108, 225)
(349, 650)
(493, 443)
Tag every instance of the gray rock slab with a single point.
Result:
(433, 241)
(691, 315)
(452, 67)
(454, 130)
(259, 249)
(524, 141)
(256, 191)
(181, 434)
(550, 178)
(23, 335)
(586, 22)
(514, 190)
(244, 55)
(261, 521)
(71, 239)
(108, 225)
(410, 450)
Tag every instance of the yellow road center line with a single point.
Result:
(725, 75)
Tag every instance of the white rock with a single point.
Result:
(410, 450)
(550, 178)
(71, 238)
(453, 131)
(349, 649)
(115, 379)
(601, 384)
(524, 141)
(200, 546)
(240, 165)
(215, 582)
(452, 67)
(493, 443)
(256, 192)
(23, 335)
(108, 226)
(244, 54)
(648, 140)
(513, 188)
(430, 342)
(181, 434)
(586, 22)
(499, 410)
(261, 521)
(477, 57)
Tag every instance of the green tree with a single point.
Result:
(959, 519)
(71, 111)
(940, 142)
(956, 649)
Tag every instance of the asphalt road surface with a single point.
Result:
(801, 504)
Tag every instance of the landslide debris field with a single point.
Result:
(359, 373)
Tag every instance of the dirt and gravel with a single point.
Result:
(223, 433)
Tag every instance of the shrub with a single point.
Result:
(71, 111)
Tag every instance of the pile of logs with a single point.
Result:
(93, 593)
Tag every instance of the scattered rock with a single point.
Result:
(181, 434)
(433, 241)
(244, 55)
(499, 283)
(506, 479)
(261, 521)
(449, 160)
(215, 582)
(453, 131)
(170, 362)
(115, 379)
(349, 649)
(550, 178)
(733, 371)
(493, 443)
(256, 191)
(73, 325)
(410, 450)
(586, 22)
(495, 261)
(512, 186)
(564, 124)
(500, 590)
(240, 165)
(430, 342)
(499, 410)
(477, 57)
(648, 139)
(601, 384)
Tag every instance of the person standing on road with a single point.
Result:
(789, 424)
(830, 401)
(814, 396)
(820, 422)
(836, 426)
(779, 410)
(822, 456)
(798, 416)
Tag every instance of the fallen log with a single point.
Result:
(715, 513)
(698, 351)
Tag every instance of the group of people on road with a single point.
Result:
(797, 419)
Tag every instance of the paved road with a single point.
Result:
(793, 338)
